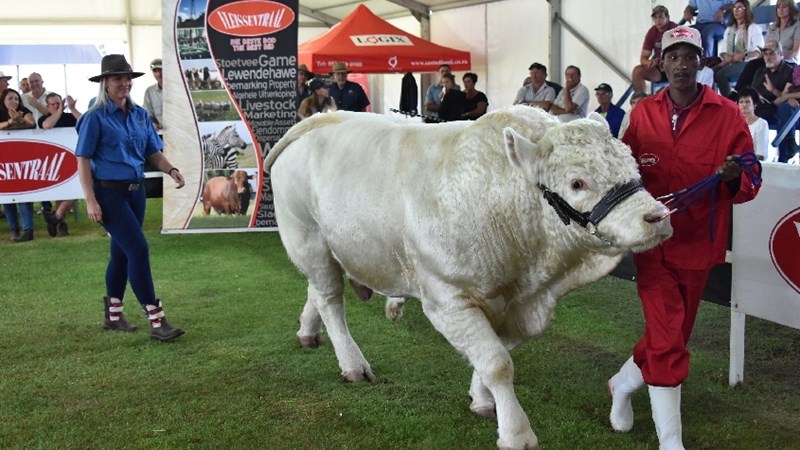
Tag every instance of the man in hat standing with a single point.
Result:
(154, 96)
(4, 81)
(679, 136)
(611, 112)
(349, 96)
(303, 77)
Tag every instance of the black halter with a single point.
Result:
(612, 198)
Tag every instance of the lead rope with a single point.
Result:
(682, 199)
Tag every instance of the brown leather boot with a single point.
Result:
(115, 321)
(160, 329)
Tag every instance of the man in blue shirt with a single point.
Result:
(349, 96)
(611, 112)
(711, 15)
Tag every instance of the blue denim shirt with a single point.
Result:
(706, 9)
(117, 144)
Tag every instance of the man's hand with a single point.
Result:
(730, 169)
(69, 101)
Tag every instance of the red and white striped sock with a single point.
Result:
(114, 309)
(155, 314)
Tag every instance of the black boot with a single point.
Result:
(63, 229)
(160, 329)
(52, 223)
(26, 236)
(14, 234)
(114, 309)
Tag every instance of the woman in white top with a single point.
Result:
(741, 44)
(759, 128)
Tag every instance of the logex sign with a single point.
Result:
(251, 18)
(783, 244)
(29, 165)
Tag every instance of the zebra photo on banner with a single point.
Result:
(221, 150)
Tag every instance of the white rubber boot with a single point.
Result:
(621, 387)
(666, 405)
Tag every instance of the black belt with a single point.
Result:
(118, 185)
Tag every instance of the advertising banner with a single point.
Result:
(230, 83)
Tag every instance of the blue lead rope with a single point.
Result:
(682, 199)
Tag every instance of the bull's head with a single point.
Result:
(591, 178)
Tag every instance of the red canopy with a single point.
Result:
(369, 44)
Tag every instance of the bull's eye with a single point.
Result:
(578, 184)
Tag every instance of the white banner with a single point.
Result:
(766, 241)
(38, 165)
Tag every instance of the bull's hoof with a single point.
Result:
(485, 411)
(362, 292)
(394, 307)
(356, 377)
(313, 341)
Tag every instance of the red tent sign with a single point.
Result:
(783, 244)
(251, 18)
(369, 44)
(27, 166)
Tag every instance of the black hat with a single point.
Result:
(114, 65)
(538, 66)
(317, 83)
(604, 87)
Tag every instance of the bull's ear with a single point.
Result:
(597, 118)
(520, 151)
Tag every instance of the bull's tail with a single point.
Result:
(296, 132)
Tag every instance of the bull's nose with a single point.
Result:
(654, 217)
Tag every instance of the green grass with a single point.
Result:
(238, 378)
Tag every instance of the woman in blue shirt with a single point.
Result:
(115, 137)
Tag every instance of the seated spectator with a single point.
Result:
(634, 100)
(785, 30)
(537, 92)
(770, 83)
(573, 101)
(35, 99)
(759, 129)
(452, 104)
(24, 86)
(711, 15)
(433, 96)
(648, 68)
(57, 117)
(4, 81)
(475, 102)
(741, 43)
(14, 116)
(319, 101)
(611, 112)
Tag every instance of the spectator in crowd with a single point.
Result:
(475, 101)
(759, 128)
(154, 96)
(35, 100)
(4, 81)
(679, 136)
(319, 101)
(785, 30)
(537, 92)
(57, 117)
(711, 15)
(349, 96)
(648, 70)
(14, 116)
(452, 103)
(573, 101)
(114, 139)
(742, 43)
(611, 112)
(24, 86)
(636, 97)
(526, 81)
(770, 82)
(433, 96)
(303, 76)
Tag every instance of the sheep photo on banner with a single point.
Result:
(237, 77)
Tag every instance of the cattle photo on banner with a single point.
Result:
(229, 96)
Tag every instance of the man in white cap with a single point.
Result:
(679, 136)
(154, 96)
(4, 81)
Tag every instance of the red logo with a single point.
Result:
(682, 32)
(27, 165)
(783, 244)
(648, 159)
(251, 18)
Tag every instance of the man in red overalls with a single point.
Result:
(680, 136)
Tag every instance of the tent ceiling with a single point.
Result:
(327, 12)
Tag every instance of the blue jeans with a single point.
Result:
(25, 211)
(788, 147)
(710, 33)
(123, 215)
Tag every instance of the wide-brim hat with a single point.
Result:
(4, 76)
(681, 35)
(114, 65)
(339, 67)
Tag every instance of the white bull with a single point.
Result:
(452, 214)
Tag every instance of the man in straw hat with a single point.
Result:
(303, 77)
(679, 136)
(349, 96)
(115, 137)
